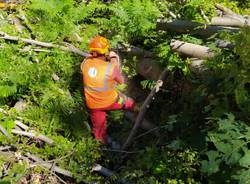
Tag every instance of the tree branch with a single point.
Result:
(50, 166)
(144, 108)
(68, 47)
(33, 135)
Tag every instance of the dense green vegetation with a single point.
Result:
(203, 120)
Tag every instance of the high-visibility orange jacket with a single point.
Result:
(99, 86)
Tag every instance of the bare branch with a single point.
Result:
(21, 125)
(144, 108)
(204, 16)
(33, 135)
(68, 48)
(50, 166)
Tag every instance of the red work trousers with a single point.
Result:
(98, 117)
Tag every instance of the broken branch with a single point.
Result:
(33, 135)
(144, 108)
(68, 48)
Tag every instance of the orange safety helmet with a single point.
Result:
(99, 44)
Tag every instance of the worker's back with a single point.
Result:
(99, 87)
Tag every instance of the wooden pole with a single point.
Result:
(144, 108)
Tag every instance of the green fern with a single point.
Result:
(6, 91)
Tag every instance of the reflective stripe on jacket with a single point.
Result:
(99, 87)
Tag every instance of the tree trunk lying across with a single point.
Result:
(191, 50)
(230, 21)
(193, 28)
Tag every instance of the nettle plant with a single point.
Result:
(229, 158)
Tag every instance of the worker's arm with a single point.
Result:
(117, 76)
(114, 58)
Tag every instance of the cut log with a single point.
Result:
(224, 44)
(191, 50)
(230, 21)
(193, 28)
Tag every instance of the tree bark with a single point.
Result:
(193, 28)
(230, 21)
(191, 50)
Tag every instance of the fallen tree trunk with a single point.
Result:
(191, 50)
(193, 28)
(230, 21)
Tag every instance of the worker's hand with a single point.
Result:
(114, 58)
(113, 54)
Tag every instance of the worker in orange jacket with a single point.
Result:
(101, 73)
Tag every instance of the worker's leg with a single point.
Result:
(99, 129)
(123, 102)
